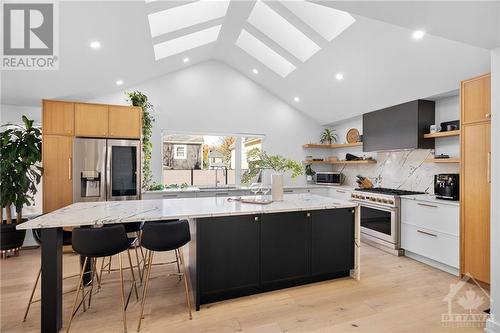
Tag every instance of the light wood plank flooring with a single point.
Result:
(394, 295)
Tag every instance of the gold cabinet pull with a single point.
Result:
(426, 233)
(489, 167)
(488, 115)
(69, 168)
(426, 205)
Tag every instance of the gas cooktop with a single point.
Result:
(389, 191)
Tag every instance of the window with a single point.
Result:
(205, 160)
(180, 152)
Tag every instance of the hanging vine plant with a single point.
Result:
(139, 99)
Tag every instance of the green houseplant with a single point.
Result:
(259, 160)
(137, 98)
(328, 136)
(309, 173)
(20, 172)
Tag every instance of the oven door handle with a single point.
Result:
(386, 209)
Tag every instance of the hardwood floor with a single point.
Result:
(393, 295)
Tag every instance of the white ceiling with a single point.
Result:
(381, 63)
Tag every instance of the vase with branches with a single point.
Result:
(137, 98)
(260, 160)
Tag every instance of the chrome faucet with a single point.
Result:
(216, 168)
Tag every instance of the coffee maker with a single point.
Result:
(446, 186)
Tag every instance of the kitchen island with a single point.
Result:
(236, 248)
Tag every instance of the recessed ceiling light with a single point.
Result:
(255, 71)
(119, 82)
(260, 51)
(186, 42)
(185, 60)
(418, 34)
(184, 16)
(95, 44)
(285, 34)
(339, 76)
(296, 99)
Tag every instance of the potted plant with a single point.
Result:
(20, 172)
(309, 173)
(137, 98)
(328, 136)
(259, 160)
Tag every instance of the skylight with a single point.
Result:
(282, 32)
(184, 16)
(326, 21)
(264, 54)
(186, 42)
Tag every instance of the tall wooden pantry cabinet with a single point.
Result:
(475, 179)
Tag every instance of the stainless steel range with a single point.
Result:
(380, 217)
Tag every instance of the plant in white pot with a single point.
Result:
(259, 160)
(20, 172)
(310, 173)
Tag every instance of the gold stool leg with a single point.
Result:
(32, 293)
(122, 295)
(144, 292)
(186, 287)
(177, 262)
(80, 282)
(93, 278)
(133, 275)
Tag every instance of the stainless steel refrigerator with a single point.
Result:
(106, 169)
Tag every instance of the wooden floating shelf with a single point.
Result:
(443, 160)
(342, 162)
(332, 146)
(442, 134)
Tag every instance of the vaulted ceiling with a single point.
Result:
(290, 48)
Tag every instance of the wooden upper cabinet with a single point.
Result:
(57, 175)
(91, 120)
(58, 118)
(125, 122)
(476, 99)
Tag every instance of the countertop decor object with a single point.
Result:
(328, 136)
(352, 135)
(259, 160)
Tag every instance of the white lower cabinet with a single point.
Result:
(340, 193)
(430, 233)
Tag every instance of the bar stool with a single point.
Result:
(161, 236)
(134, 228)
(96, 243)
(38, 239)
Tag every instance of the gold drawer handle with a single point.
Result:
(69, 168)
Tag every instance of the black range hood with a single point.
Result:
(399, 127)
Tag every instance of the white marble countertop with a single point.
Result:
(95, 213)
(430, 198)
(239, 188)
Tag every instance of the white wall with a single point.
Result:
(211, 97)
(13, 114)
(493, 324)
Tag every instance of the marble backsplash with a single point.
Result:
(405, 169)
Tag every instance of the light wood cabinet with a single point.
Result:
(124, 122)
(91, 120)
(57, 163)
(475, 180)
(476, 99)
(58, 118)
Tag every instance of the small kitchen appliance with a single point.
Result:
(446, 186)
(329, 178)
